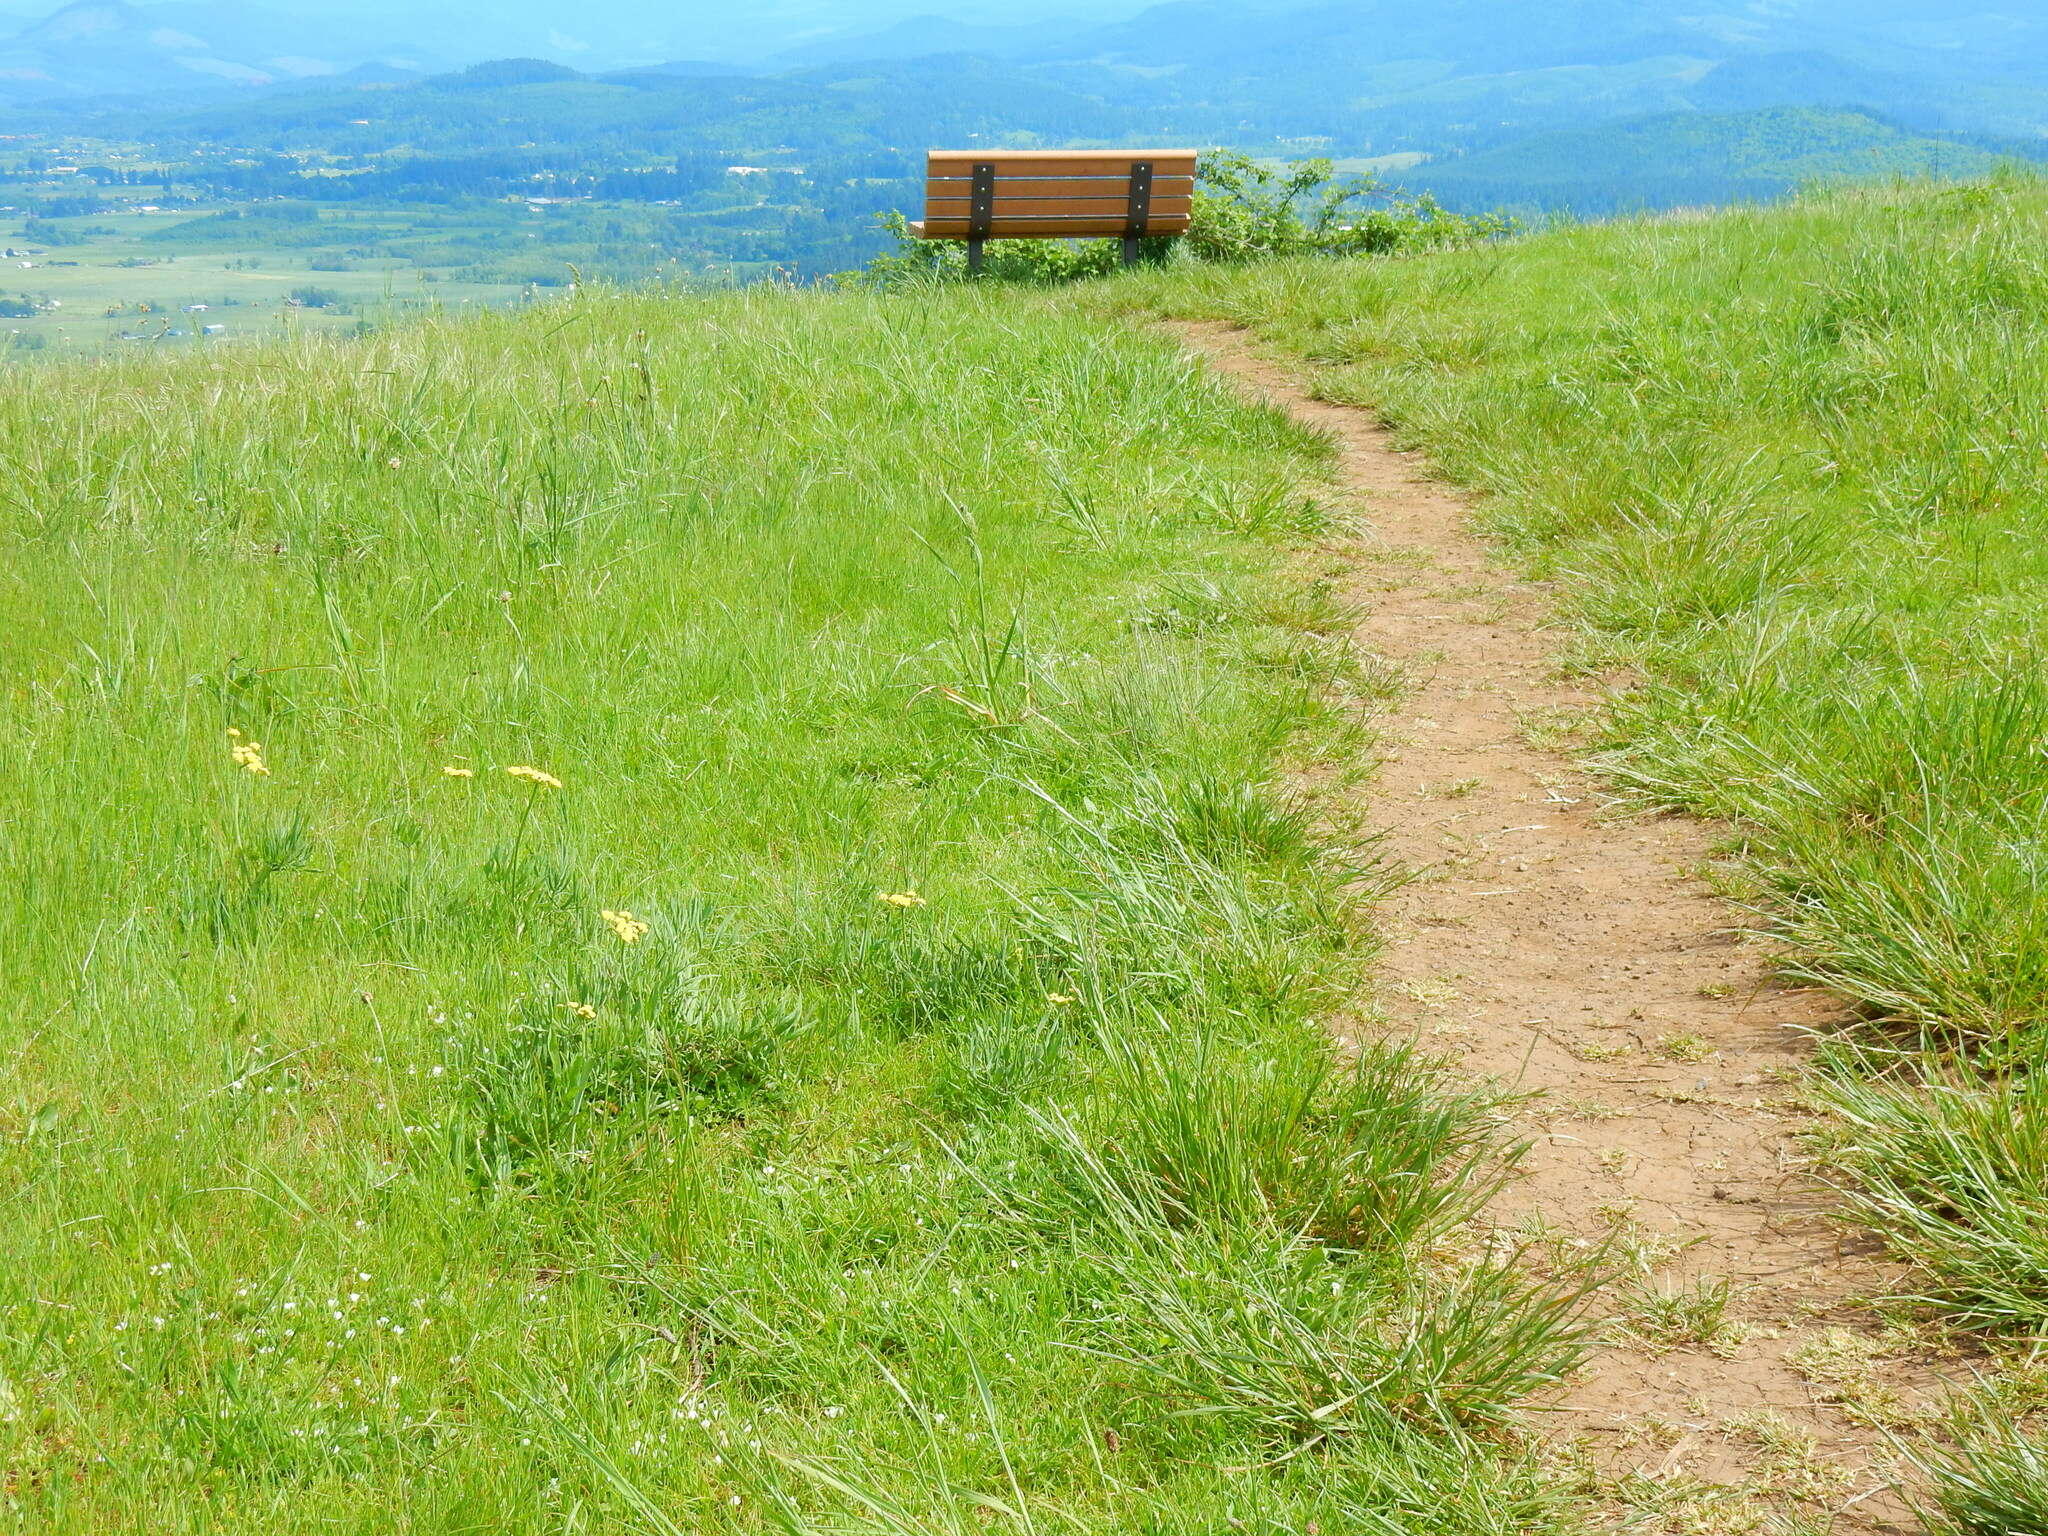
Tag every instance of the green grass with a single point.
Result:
(1994, 1482)
(1790, 466)
(364, 1174)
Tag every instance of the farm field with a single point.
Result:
(122, 243)
(124, 279)
(675, 914)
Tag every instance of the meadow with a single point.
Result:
(1787, 470)
(677, 914)
(684, 912)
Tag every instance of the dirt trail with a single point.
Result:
(1550, 942)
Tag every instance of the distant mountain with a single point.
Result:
(1691, 159)
(1370, 75)
(928, 36)
(136, 47)
(698, 67)
(865, 110)
(499, 73)
(1397, 75)
(96, 48)
(1795, 77)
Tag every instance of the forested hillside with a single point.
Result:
(1696, 159)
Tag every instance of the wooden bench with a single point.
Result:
(979, 195)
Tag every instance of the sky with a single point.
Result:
(309, 38)
(592, 33)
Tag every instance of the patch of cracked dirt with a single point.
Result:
(1550, 941)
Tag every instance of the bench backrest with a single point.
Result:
(1039, 194)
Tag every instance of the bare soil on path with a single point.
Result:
(1550, 941)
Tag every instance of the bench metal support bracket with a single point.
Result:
(1140, 213)
(981, 213)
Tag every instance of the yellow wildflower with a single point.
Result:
(902, 898)
(535, 776)
(247, 754)
(1061, 999)
(583, 1010)
(457, 771)
(628, 927)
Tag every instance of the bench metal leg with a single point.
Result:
(1139, 217)
(981, 213)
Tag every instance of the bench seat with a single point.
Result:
(1053, 194)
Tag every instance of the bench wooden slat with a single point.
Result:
(1048, 228)
(1060, 186)
(1143, 152)
(1043, 207)
(1060, 162)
